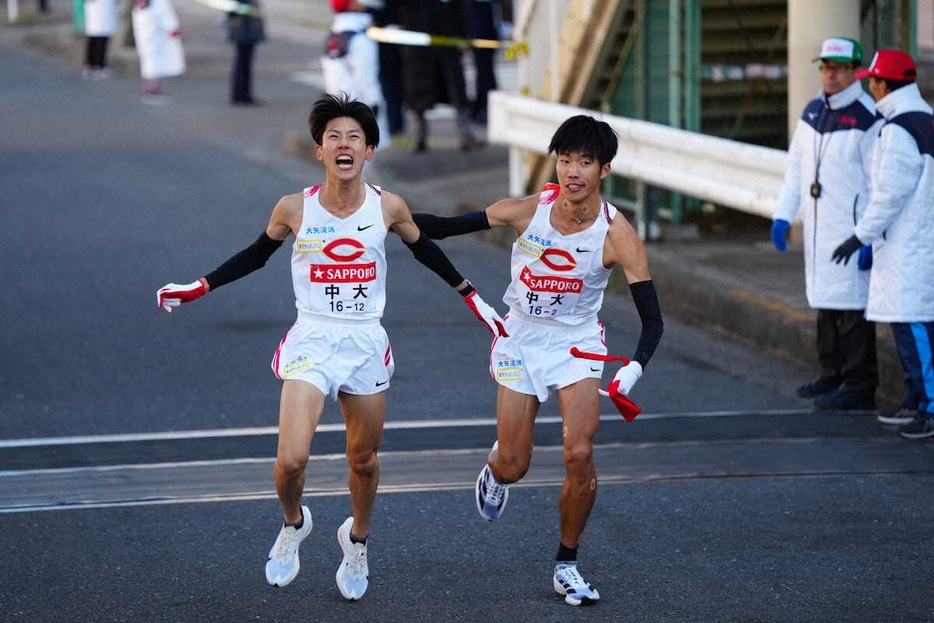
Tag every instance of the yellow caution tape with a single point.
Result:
(411, 37)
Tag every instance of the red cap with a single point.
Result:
(890, 65)
(339, 6)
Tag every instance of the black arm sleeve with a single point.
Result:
(245, 262)
(646, 300)
(431, 255)
(439, 227)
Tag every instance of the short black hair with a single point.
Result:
(330, 107)
(894, 85)
(585, 134)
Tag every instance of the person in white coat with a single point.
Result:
(827, 183)
(159, 46)
(899, 224)
(100, 23)
(350, 63)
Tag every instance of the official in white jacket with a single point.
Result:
(159, 46)
(827, 184)
(899, 224)
(350, 63)
(100, 22)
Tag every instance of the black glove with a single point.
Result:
(845, 250)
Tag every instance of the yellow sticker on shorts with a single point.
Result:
(300, 364)
(508, 374)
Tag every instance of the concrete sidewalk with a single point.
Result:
(725, 276)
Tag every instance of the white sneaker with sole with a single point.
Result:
(283, 565)
(353, 574)
(576, 591)
(490, 495)
(899, 417)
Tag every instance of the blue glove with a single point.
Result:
(779, 232)
(864, 259)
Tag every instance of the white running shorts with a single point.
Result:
(353, 357)
(536, 358)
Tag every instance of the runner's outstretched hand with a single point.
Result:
(625, 378)
(485, 313)
(172, 294)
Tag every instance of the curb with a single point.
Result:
(756, 320)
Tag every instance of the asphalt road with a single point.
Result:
(135, 446)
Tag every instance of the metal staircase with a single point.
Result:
(744, 34)
(735, 35)
(599, 31)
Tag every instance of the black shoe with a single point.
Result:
(847, 400)
(421, 146)
(898, 417)
(818, 387)
(920, 428)
(468, 144)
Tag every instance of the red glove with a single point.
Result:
(486, 314)
(172, 294)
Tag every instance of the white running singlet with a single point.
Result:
(556, 276)
(339, 265)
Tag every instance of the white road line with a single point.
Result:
(323, 428)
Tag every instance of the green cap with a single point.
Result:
(841, 50)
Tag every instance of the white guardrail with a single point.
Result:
(728, 173)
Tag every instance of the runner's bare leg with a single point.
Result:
(579, 405)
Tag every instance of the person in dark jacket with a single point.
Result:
(390, 72)
(244, 30)
(482, 17)
(434, 74)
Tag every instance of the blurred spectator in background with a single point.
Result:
(899, 224)
(482, 17)
(351, 59)
(390, 71)
(244, 30)
(159, 46)
(434, 74)
(100, 22)
(827, 177)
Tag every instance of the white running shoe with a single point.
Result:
(283, 565)
(576, 591)
(490, 495)
(353, 574)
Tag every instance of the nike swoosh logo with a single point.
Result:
(579, 250)
(378, 384)
(595, 369)
(359, 228)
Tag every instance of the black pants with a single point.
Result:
(485, 81)
(241, 81)
(846, 348)
(97, 52)
(390, 78)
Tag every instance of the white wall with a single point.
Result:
(926, 26)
